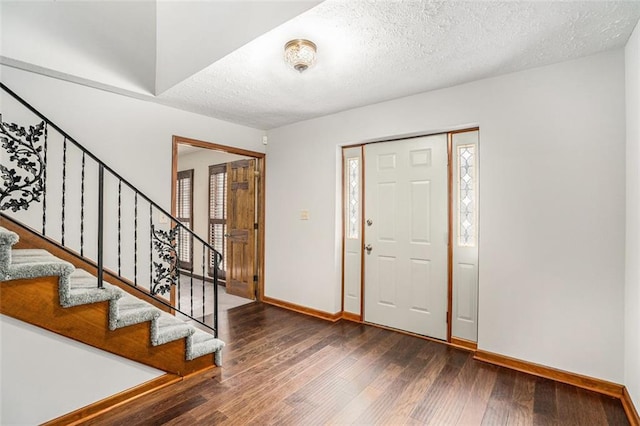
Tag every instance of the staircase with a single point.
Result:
(30, 277)
(86, 255)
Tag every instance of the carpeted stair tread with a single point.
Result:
(34, 263)
(202, 343)
(130, 310)
(8, 238)
(29, 255)
(83, 289)
(167, 328)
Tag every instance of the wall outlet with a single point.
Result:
(304, 214)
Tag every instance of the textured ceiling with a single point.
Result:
(374, 51)
(368, 51)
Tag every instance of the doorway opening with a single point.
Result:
(218, 192)
(410, 235)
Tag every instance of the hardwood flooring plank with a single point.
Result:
(545, 410)
(439, 389)
(419, 375)
(614, 411)
(476, 405)
(358, 405)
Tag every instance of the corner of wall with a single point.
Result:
(632, 231)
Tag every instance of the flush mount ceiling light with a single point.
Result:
(300, 54)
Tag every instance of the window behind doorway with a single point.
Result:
(184, 214)
(218, 214)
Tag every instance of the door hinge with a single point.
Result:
(446, 320)
(255, 226)
(255, 278)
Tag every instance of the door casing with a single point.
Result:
(260, 196)
(360, 317)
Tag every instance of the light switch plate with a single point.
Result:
(304, 214)
(163, 218)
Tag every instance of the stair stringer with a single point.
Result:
(36, 301)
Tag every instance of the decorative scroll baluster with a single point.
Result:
(64, 183)
(82, 207)
(135, 240)
(24, 184)
(44, 179)
(119, 226)
(166, 268)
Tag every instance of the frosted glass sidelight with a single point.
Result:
(353, 197)
(466, 196)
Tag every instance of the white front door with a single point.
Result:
(406, 222)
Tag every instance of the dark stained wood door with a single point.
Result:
(241, 217)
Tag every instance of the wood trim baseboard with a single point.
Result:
(463, 344)
(103, 406)
(585, 382)
(302, 309)
(351, 317)
(629, 408)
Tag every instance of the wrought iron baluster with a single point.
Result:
(100, 223)
(82, 207)
(135, 240)
(119, 226)
(215, 294)
(44, 179)
(191, 259)
(64, 183)
(150, 246)
(178, 283)
(204, 249)
(178, 269)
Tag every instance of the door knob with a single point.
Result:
(227, 235)
(368, 248)
(369, 222)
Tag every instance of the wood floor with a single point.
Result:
(290, 369)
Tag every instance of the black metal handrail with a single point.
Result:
(169, 237)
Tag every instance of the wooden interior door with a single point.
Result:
(241, 219)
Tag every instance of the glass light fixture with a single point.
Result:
(300, 54)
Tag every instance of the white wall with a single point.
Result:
(44, 376)
(632, 289)
(551, 206)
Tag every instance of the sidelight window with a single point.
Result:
(467, 196)
(353, 199)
